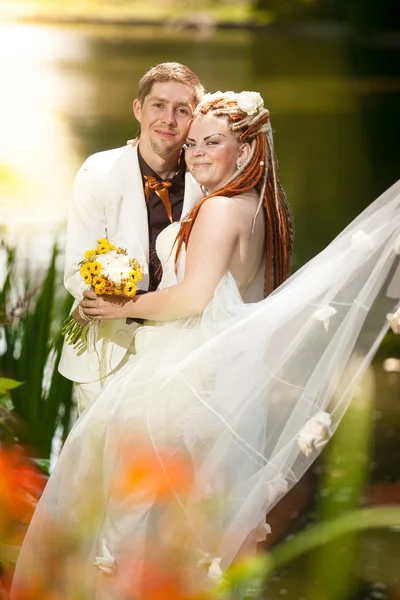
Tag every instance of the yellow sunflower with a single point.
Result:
(130, 289)
(109, 287)
(94, 267)
(102, 241)
(136, 274)
(84, 271)
(87, 279)
(97, 280)
(99, 288)
(103, 248)
(90, 253)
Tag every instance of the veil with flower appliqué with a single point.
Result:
(279, 378)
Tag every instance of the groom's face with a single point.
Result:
(165, 116)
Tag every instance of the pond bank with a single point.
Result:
(204, 22)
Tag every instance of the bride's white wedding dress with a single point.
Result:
(213, 419)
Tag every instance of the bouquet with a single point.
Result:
(108, 270)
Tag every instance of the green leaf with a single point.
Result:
(312, 539)
(8, 384)
(43, 464)
(323, 533)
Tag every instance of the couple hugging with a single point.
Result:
(224, 378)
(121, 194)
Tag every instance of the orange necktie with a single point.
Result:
(161, 189)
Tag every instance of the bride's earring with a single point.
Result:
(238, 165)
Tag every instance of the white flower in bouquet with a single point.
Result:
(115, 266)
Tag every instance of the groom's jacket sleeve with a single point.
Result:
(86, 224)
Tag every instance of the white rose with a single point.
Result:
(212, 565)
(124, 259)
(107, 258)
(115, 266)
(261, 532)
(249, 102)
(105, 564)
(324, 314)
(394, 321)
(230, 95)
(210, 97)
(315, 434)
(214, 571)
(117, 272)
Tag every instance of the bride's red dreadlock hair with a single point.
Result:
(260, 171)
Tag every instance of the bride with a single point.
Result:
(222, 405)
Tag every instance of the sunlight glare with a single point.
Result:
(37, 160)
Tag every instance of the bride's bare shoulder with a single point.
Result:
(233, 205)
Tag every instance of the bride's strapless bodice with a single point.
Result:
(172, 274)
(166, 249)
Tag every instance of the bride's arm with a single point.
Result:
(212, 242)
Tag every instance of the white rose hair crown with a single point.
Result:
(248, 102)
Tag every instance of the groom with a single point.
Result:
(129, 195)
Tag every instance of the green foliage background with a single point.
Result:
(361, 15)
(32, 313)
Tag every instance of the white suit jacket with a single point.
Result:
(108, 201)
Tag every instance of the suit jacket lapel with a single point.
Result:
(134, 200)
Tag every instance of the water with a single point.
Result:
(67, 92)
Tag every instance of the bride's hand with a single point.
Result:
(104, 307)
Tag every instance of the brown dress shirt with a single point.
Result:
(157, 215)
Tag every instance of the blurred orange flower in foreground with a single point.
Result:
(164, 585)
(21, 485)
(153, 473)
(168, 571)
(5, 584)
(160, 580)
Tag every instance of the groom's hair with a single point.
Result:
(169, 71)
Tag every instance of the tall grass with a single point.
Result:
(32, 309)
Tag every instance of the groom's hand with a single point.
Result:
(104, 307)
(78, 318)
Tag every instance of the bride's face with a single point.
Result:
(212, 151)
